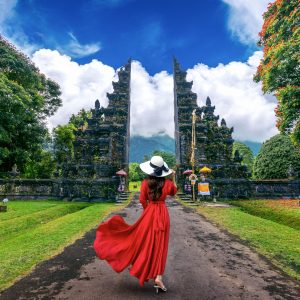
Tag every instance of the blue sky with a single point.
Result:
(149, 31)
(80, 44)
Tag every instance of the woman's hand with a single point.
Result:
(174, 178)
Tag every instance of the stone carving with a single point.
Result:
(14, 171)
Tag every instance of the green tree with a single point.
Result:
(277, 158)
(279, 69)
(245, 152)
(64, 135)
(42, 166)
(27, 98)
(135, 172)
(81, 118)
(63, 142)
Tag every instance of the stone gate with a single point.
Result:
(102, 147)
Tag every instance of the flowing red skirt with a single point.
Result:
(143, 245)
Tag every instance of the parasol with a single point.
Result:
(205, 170)
(187, 172)
(121, 173)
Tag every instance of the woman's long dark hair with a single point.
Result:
(155, 185)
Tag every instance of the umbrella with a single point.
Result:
(121, 173)
(187, 172)
(205, 170)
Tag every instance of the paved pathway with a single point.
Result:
(203, 263)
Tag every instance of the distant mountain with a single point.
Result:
(254, 146)
(141, 146)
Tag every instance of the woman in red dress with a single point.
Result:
(144, 245)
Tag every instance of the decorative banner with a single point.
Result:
(203, 188)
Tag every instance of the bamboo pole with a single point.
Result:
(193, 146)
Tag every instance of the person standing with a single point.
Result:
(144, 245)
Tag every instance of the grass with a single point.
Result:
(276, 241)
(272, 210)
(17, 226)
(134, 186)
(29, 241)
(21, 208)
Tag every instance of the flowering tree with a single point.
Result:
(279, 69)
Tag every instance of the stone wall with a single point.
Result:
(259, 189)
(105, 189)
(83, 190)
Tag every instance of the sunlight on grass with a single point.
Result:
(38, 235)
(272, 210)
(20, 208)
(18, 226)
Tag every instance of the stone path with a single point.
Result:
(203, 262)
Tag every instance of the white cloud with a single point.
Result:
(13, 32)
(76, 49)
(152, 106)
(245, 18)
(10, 29)
(81, 84)
(237, 98)
(151, 97)
(6, 10)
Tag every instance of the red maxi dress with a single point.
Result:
(143, 245)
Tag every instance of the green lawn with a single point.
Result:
(39, 230)
(285, 215)
(278, 242)
(21, 208)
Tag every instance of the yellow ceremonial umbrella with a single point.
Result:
(205, 170)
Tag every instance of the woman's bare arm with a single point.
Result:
(174, 178)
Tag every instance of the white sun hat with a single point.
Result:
(156, 167)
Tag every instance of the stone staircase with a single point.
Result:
(122, 197)
(186, 198)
